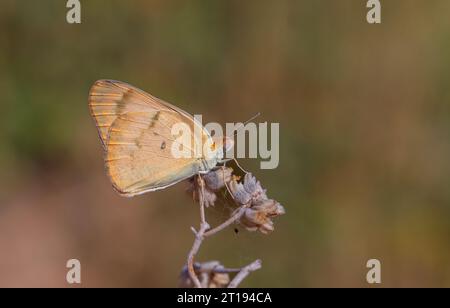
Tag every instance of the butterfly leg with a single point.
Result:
(239, 166)
(223, 176)
(225, 182)
(224, 161)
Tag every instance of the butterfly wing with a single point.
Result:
(108, 99)
(135, 130)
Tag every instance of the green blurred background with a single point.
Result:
(364, 113)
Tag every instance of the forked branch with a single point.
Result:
(254, 212)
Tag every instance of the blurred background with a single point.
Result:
(364, 113)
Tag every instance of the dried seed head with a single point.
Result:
(253, 187)
(207, 274)
(260, 209)
(218, 280)
(249, 191)
(185, 280)
(215, 180)
(240, 195)
(209, 196)
(258, 216)
(270, 208)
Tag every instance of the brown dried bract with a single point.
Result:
(260, 209)
(214, 181)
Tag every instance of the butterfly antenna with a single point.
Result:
(239, 166)
(236, 132)
(246, 122)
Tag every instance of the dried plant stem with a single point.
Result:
(228, 222)
(199, 236)
(204, 232)
(223, 270)
(202, 200)
(245, 271)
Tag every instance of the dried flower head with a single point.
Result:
(260, 209)
(217, 179)
(258, 216)
(214, 181)
(247, 192)
(218, 280)
(210, 275)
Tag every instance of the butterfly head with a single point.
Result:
(220, 146)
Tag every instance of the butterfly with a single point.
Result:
(135, 130)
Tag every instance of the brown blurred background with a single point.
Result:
(364, 113)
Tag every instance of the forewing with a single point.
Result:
(108, 99)
(135, 130)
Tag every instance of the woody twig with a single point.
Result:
(254, 212)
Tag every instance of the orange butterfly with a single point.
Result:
(135, 129)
